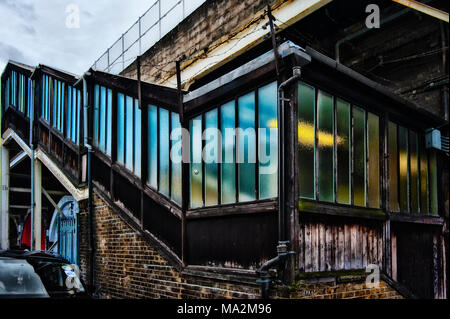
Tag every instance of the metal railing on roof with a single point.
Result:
(155, 23)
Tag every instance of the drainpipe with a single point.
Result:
(89, 177)
(282, 248)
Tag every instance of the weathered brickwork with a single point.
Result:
(337, 290)
(127, 266)
(213, 24)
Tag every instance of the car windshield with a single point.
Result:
(19, 280)
(60, 279)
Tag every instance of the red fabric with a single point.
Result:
(26, 234)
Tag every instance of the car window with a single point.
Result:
(59, 278)
(18, 278)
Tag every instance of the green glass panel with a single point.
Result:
(306, 140)
(211, 158)
(373, 131)
(246, 147)
(433, 183)
(228, 167)
(343, 152)
(359, 157)
(403, 168)
(195, 128)
(268, 141)
(393, 167)
(325, 144)
(423, 177)
(414, 171)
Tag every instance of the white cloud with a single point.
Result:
(34, 32)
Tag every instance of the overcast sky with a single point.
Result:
(35, 31)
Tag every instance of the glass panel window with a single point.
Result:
(153, 146)
(414, 171)
(423, 178)
(164, 155)
(306, 140)
(137, 138)
(129, 132)
(228, 167)
(433, 183)
(359, 157)
(393, 167)
(69, 113)
(211, 158)
(195, 128)
(403, 166)
(108, 122)
(96, 115)
(176, 160)
(268, 141)
(102, 120)
(325, 143)
(246, 148)
(373, 137)
(121, 128)
(343, 152)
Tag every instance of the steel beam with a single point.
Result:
(433, 12)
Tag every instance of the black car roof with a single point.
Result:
(34, 255)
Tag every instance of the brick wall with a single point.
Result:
(208, 27)
(127, 266)
(332, 289)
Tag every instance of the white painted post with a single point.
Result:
(37, 223)
(4, 220)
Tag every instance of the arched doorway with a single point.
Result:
(63, 232)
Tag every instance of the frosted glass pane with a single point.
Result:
(359, 157)
(306, 140)
(96, 115)
(195, 128)
(102, 115)
(423, 177)
(228, 167)
(403, 166)
(343, 152)
(137, 138)
(246, 147)
(109, 122)
(373, 131)
(176, 164)
(325, 143)
(393, 167)
(414, 171)
(211, 158)
(120, 128)
(433, 183)
(129, 129)
(268, 141)
(164, 155)
(152, 146)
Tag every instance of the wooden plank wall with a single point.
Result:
(335, 245)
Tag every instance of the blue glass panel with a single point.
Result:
(96, 115)
(109, 122)
(175, 159)
(55, 102)
(246, 147)
(137, 139)
(228, 167)
(69, 113)
(102, 119)
(164, 151)
(211, 158)
(195, 129)
(61, 107)
(72, 97)
(152, 146)
(120, 128)
(78, 114)
(129, 133)
(268, 141)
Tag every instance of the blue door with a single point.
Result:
(68, 238)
